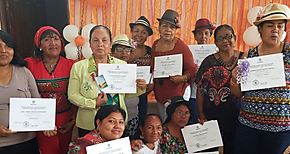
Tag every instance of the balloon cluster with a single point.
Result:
(79, 46)
(251, 35)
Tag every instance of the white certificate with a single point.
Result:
(200, 52)
(264, 72)
(199, 137)
(32, 114)
(143, 72)
(118, 146)
(165, 66)
(121, 78)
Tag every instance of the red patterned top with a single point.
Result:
(79, 146)
(52, 85)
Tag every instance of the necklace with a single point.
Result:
(50, 67)
(229, 65)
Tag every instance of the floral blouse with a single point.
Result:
(79, 146)
(170, 144)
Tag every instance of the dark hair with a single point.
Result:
(101, 27)
(262, 23)
(114, 47)
(17, 59)
(226, 26)
(147, 117)
(37, 51)
(176, 101)
(106, 110)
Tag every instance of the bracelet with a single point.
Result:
(185, 79)
(233, 83)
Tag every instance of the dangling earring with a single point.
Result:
(40, 49)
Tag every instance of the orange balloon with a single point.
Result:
(79, 41)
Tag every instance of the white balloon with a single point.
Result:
(71, 51)
(283, 36)
(252, 14)
(86, 50)
(86, 31)
(70, 32)
(251, 36)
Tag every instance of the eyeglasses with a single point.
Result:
(123, 49)
(227, 37)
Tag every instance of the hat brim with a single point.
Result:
(271, 18)
(171, 22)
(122, 43)
(203, 28)
(149, 30)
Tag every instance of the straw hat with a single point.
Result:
(170, 16)
(203, 23)
(142, 21)
(273, 11)
(122, 39)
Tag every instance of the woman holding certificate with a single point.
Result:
(178, 114)
(141, 55)
(264, 120)
(171, 46)
(214, 97)
(51, 71)
(110, 125)
(83, 89)
(122, 49)
(15, 81)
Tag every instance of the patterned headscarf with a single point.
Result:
(40, 32)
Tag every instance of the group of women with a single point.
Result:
(256, 121)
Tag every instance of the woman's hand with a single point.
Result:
(101, 99)
(178, 78)
(201, 118)
(4, 131)
(67, 126)
(136, 145)
(234, 75)
(141, 83)
(149, 87)
(50, 133)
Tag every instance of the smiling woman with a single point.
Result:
(169, 45)
(83, 90)
(52, 70)
(110, 125)
(214, 95)
(15, 81)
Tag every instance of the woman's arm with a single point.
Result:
(189, 67)
(234, 86)
(199, 98)
(74, 87)
(32, 84)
